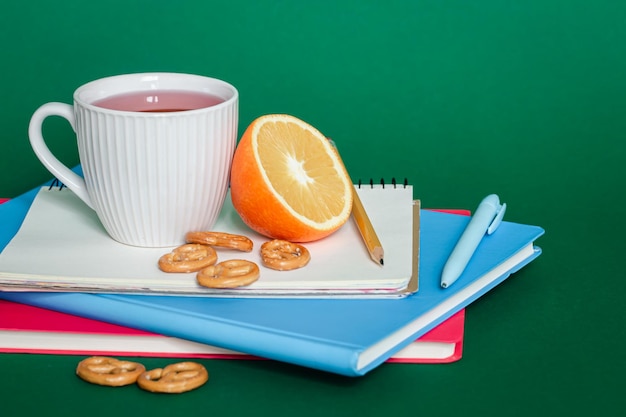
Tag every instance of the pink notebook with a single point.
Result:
(29, 329)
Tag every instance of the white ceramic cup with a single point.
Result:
(151, 177)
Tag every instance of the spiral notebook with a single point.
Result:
(61, 246)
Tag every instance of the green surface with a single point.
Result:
(526, 99)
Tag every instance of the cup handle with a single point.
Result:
(68, 177)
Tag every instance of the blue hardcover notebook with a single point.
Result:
(348, 337)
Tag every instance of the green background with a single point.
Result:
(526, 99)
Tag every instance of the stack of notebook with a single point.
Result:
(347, 329)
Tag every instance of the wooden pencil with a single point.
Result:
(363, 222)
(370, 238)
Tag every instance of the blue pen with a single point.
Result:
(486, 220)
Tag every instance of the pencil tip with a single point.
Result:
(382, 262)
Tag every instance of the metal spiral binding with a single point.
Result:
(393, 183)
(56, 183)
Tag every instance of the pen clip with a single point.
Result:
(498, 219)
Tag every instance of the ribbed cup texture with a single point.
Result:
(154, 177)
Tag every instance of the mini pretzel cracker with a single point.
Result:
(112, 372)
(224, 240)
(229, 274)
(174, 378)
(188, 258)
(283, 255)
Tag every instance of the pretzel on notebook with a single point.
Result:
(283, 255)
(229, 274)
(224, 240)
(188, 258)
(103, 370)
(174, 378)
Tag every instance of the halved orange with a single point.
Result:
(288, 182)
